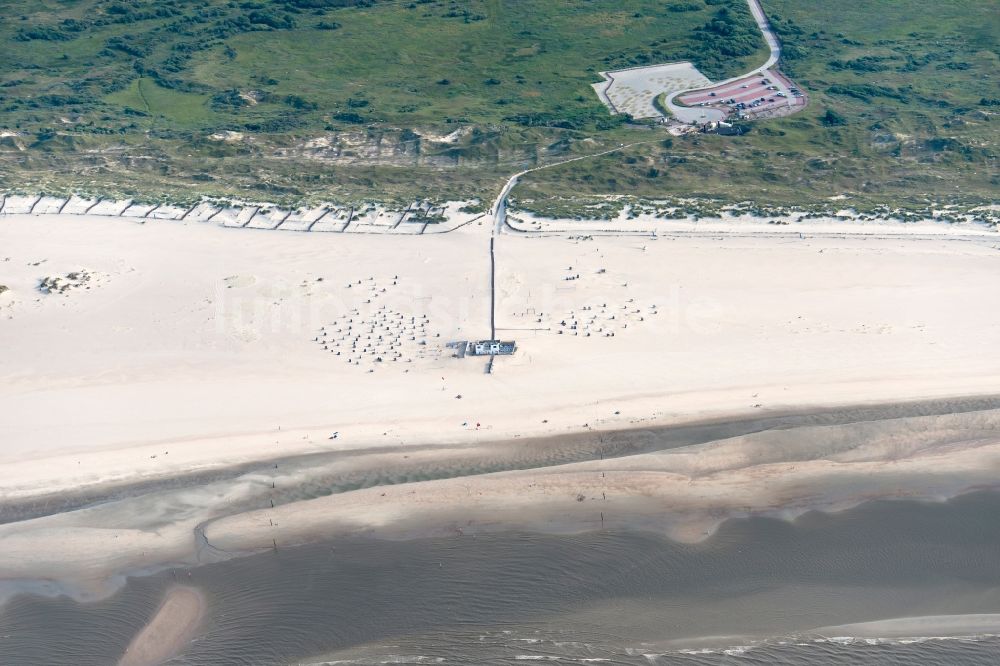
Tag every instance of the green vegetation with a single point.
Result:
(294, 99)
(728, 36)
(297, 100)
(902, 113)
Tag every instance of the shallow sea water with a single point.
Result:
(757, 586)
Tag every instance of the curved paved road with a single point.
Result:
(689, 114)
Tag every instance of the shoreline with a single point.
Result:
(888, 631)
(682, 489)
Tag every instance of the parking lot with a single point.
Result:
(761, 94)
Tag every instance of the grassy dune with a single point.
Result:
(426, 63)
(134, 97)
(101, 91)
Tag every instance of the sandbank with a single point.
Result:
(918, 628)
(176, 620)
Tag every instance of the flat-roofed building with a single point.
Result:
(491, 348)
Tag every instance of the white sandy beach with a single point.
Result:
(168, 347)
(199, 340)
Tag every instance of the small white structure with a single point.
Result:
(491, 348)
